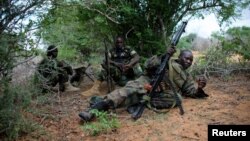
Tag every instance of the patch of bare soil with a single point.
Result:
(228, 103)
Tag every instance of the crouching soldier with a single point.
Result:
(52, 72)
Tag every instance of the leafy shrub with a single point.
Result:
(13, 102)
(219, 61)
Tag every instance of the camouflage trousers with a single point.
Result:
(52, 80)
(131, 89)
(134, 91)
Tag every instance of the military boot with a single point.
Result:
(92, 91)
(86, 116)
(100, 106)
(70, 88)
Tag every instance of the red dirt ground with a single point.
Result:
(228, 103)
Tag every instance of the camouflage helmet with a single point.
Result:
(153, 62)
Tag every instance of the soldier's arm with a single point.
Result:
(189, 89)
(116, 64)
(135, 59)
(65, 66)
(185, 83)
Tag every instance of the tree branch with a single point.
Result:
(20, 13)
(102, 13)
(132, 28)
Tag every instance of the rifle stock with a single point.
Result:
(159, 77)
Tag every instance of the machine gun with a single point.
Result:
(160, 74)
(107, 68)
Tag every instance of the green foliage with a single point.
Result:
(218, 61)
(67, 53)
(13, 102)
(7, 52)
(104, 123)
(146, 24)
(214, 60)
(235, 41)
(238, 41)
(74, 27)
(15, 27)
(186, 41)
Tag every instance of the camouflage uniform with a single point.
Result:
(79, 71)
(134, 90)
(51, 72)
(130, 93)
(122, 56)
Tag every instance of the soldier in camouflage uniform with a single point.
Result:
(124, 63)
(132, 93)
(124, 66)
(52, 72)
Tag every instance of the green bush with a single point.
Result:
(217, 61)
(13, 102)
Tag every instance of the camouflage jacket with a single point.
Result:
(122, 55)
(182, 80)
(51, 68)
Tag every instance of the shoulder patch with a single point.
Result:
(133, 52)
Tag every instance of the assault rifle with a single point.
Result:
(160, 75)
(107, 68)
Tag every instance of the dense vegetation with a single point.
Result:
(79, 27)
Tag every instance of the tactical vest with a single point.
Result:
(121, 55)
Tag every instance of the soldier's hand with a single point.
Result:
(126, 67)
(147, 87)
(171, 51)
(118, 65)
(201, 82)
